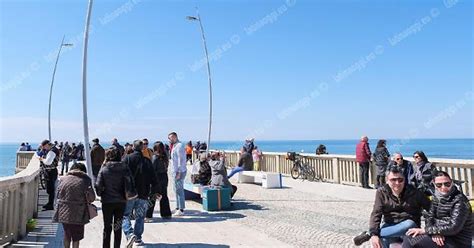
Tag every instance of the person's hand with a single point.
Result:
(375, 241)
(178, 175)
(438, 239)
(415, 232)
(157, 197)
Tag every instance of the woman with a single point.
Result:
(73, 196)
(219, 172)
(381, 157)
(160, 166)
(110, 186)
(256, 156)
(424, 171)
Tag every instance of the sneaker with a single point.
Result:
(361, 238)
(178, 213)
(148, 220)
(131, 240)
(138, 243)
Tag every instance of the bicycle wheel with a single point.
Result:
(43, 181)
(295, 172)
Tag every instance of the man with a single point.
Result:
(49, 159)
(245, 162)
(363, 156)
(145, 185)
(147, 152)
(405, 165)
(97, 158)
(65, 157)
(120, 147)
(449, 222)
(400, 206)
(178, 164)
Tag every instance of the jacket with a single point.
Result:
(219, 173)
(363, 152)
(381, 156)
(178, 158)
(450, 216)
(246, 161)
(73, 195)
(142, 173)
(97, 158)
(397, 209)
(110, 182)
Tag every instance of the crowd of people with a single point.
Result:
(130, 180)
(403, 195)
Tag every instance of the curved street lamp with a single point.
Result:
(52, 83)
(198, 18)
(84, 91)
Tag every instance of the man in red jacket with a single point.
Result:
(363, 155)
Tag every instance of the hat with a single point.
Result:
(45, 142)
(96, 140)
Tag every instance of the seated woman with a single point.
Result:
(423, 173)
(449, 222)
(219, 172)
(201, 171)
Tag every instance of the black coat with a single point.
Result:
(142, 173)
(450, 216)
(110, 182)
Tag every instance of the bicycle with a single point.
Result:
(300, 169)
(43, 175)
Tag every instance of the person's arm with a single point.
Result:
(376, 215)
(181, 157)
(99, 184)
(459, 215)
(367, 150)
(49, 158)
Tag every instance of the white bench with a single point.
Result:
(268, 180)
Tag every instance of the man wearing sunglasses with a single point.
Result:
(405, 165)
(449, 222)
(400, 206)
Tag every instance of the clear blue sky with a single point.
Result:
(391, 69)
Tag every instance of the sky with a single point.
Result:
(281, 70)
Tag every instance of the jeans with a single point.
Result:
(113, 217)
(235, 170)
(65, 164)
(391, 232)
(179, 190)
(139, 206)
(364, 174)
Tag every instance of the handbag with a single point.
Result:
(91, 209)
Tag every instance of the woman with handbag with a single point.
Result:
(110, 186)
(74, 195)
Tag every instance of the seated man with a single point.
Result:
(405, 165)
(449, 222)
(245, 162)
(400, 206)
(219, 172)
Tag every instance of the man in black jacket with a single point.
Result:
(400, 206)
(146, 185)
(97, 158)
(449, 222)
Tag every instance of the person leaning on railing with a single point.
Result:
(49, 158)
(449, 222)
(400, 206)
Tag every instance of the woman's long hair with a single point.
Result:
(422, 156)
(159, 149)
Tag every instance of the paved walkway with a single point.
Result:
(303, 214)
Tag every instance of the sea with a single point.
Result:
(434, 148)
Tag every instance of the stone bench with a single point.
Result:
(268, 180)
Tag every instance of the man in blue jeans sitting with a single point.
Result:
(245, 162)
(400, 205)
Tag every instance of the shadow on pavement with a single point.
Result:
(187, 245)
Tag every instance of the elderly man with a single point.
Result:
(449, 222)
(363, 155)
(49, 160)
(405, 165)
(400, 206)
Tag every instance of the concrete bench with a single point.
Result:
(268, 180)
(192, 191)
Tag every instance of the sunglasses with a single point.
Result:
(446, 184)
(145, 144)
(397, 179)
(398, 159)
(416, 156)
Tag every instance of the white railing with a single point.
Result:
(343, 169)
(18, 198)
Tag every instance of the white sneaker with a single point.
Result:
(138, 243)
(178, 213)
(131, 240)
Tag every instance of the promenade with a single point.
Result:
(302, 214)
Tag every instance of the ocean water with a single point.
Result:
(435, 148)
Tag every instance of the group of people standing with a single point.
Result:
(129, 186)
(403, 194)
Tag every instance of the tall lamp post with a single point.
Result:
(198, 18)
(84, 91)
(52, 83)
